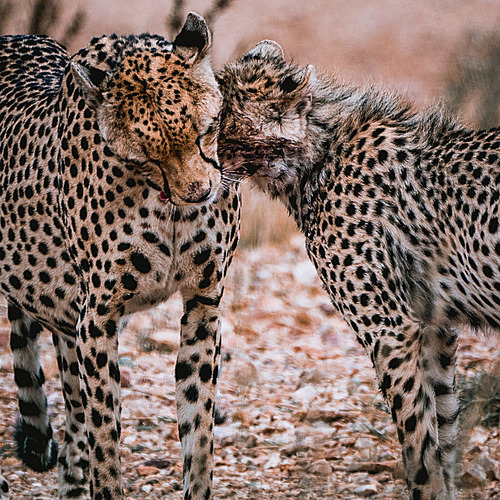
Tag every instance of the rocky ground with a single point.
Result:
(303, 417)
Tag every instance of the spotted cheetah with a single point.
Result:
(112, 199)
(399, 209)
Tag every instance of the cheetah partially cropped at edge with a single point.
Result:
(400, 214)
(111, 199)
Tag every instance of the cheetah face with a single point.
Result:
(264, 118)
(159, 110)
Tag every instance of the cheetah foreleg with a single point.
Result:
(97, 351)
(196, 377)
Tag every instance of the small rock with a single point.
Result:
(293, 449)
(226, 431)
(125, 378)
(474, 475)
(147, 470)
(327, 309)
(321, 467)
(273, 461)
(146, 488)
(314, 376)
(363, 443)
(160, 463)
(353, 385)
(478, 436)
(305, 273)
(251, 441)
(244, 372)
(126, 361)
(491, 466)
(327, 415)
(305, 394)
(130, 439)
(367, 490)
(166, 340)
(304, 319)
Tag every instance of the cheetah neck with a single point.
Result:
(343, 119)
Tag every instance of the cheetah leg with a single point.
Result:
(442, 348)
(33, 432)
(4, 488)
(97, 352)
(196, 377)
(404, 362)
(73, 459)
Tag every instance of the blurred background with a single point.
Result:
(301, 414)
(432, 49)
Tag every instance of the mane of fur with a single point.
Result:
(354, 107)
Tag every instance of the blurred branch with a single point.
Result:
(6, 7)
(44, 16)
(217, 8)
(74, 27)
(174, 20)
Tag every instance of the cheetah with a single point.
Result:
(112, 199)
(399, 209)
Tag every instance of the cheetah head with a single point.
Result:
(264, 125)
(157, 107)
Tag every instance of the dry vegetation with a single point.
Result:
(473, 85)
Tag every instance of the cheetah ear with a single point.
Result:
(267, 49)
(294, 84)
(194, 40)
(90, 81)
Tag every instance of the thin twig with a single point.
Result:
(44, 16)
(74, 27)
(174, 20)
(217, 8)
(6, 7)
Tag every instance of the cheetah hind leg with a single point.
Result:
(33, 432)
(441, 358)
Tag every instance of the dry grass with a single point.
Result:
(264, 220)
(472, 86)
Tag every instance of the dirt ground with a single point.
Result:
(303, 416)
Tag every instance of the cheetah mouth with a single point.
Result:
(255, 157)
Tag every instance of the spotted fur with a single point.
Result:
(111, 200)
(399, 210)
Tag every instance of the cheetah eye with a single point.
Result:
(212, 127)
(97, 76)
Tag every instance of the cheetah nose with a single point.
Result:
(197, 193)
